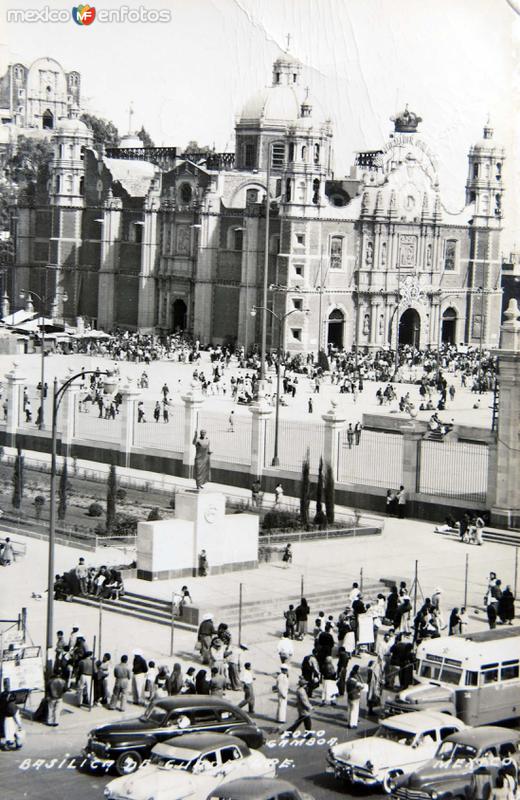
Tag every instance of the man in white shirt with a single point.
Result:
(282, 689)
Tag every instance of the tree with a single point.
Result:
(145, 137)
(103, 131)
(305, 492)
(18, 479)
(195, 147)
(63, 490)
(111, 499)
(320, 518)
(330, 491)
(39, 502)
(26, 167)
(323, 361)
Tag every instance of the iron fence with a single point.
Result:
(230, 440)
(294, 439)
(376, 461)
(453, 469)
(89, 425)
(164, 433)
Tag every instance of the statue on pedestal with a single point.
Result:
(202, 461)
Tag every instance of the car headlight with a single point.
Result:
(106, 791)
(434, 795)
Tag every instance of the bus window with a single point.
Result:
(489, 674)
(509, 670)
(471, 678)
(451, 675)
(429, 670)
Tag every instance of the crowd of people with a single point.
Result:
(103, 582)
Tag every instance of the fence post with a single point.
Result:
(261, 411)
(302, 587)
(516, 571)
(412, 432)
(15, 382)
(128, 420)
(193, 400)
(67, 415)
(361, 579)
(466, 572)
(334, 424)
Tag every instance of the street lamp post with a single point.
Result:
(57, 396)
(280, 320)
(24, 295)
(481, 292)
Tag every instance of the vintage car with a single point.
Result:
(448, 775)
(124, 745)
(191, 766)
(399, 746)
(258, 789)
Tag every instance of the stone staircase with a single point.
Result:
(496, 535)
(255, 611)
(149, 609)
(153, 609)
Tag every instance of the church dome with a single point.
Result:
(273, 104)
(73, 126)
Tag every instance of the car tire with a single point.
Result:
(128, 762)
(395, 773)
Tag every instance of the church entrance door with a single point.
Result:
(410, 328)
(179, 315)
(335, 328)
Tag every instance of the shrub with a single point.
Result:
(111, 498)
(154, 515)
(121, 495)
(125, 525)
(330, 492)
(305, 492)
(320, 519)
(95, 510)
(277, 518)
(39, 502)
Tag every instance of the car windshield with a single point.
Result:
(165, 762)
(450, 751)
(155, 714)
(395, 735)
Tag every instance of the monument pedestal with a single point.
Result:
(170, 548)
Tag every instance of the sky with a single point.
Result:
(453, 61)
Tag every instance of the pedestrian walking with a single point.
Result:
(354, 688)
(247, 677)
(217, 683)
(402, 498)
(281, 688)
(139, 672)
(123, 676)
(85, 674)
(256, 487)
(287, 556)
(358, 427)
(285, 649)
(203, 564)
(304, 709)
(278, 494)
(6, 553)
(55, 690)
(310, 406)
(231, 422)
(350, 436)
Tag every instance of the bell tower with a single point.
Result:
(484, 186)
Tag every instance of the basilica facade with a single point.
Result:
(159, 240)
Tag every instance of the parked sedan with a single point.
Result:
(400, 745)
(124, 745)
(449, 774)
(258, 789)
(191, 766)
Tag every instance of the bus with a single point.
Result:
(475, 676)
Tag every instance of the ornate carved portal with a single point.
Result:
(407, 251)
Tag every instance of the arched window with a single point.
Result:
(58, 184)
(82, 185)
(475, 170)
(316, 191)
(238, 239)
(316, 154)
(278, 155)
(277, 77)
(291, 151)
(499, 171)
(288, 190)
(18, 73)
(68, 184)
(450, 254)
(47, 120)
(304, 153)
(484, 204)
(186, 193)
(248, 156)
(336, 252)
(251, 196)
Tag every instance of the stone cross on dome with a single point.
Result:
(288, 37)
